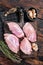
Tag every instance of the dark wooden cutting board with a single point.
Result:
(38, 23)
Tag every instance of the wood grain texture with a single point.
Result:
(38, 4)
(25, 3)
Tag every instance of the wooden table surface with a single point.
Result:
(38, 4)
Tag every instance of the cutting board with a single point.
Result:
(38, 24)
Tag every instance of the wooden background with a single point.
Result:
(38, 4)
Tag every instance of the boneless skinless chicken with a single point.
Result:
(25, 46)
(12, 40)
(29, 32)
(15, 28)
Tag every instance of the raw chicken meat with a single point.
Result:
(12, 42)
(25, 46)
(30, 32)
(15, 28)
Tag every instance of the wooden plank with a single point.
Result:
(38, 23)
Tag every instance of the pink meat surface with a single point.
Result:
(30, 32)
(15, 28)
(25, 46)
(12, 42)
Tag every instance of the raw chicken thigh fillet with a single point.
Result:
(29, 32)
(15, 29)
(25, 46)
(12, 42)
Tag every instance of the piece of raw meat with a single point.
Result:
(12, 42)
(30, 32)
(25, 46)
(15, 28)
